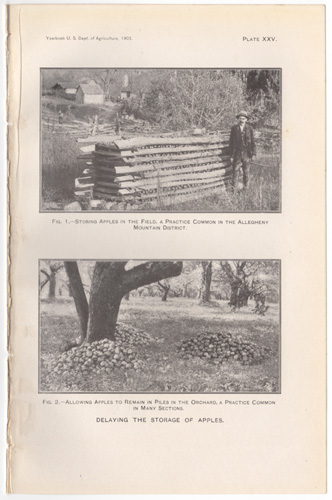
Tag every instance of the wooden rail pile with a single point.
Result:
(72, 128)
(159, 169)
(75, 128)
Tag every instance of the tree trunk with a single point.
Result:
(110, 283)
(103, 315)
(76, 287)
(206, 281)
(185, 291)
(234, 293)
(52, 284)
(246, 296)
(165, 294)
(165, 290)
(105, 298)
(239, 295)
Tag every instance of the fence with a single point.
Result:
(157, 170)
(73, 128)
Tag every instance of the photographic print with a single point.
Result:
(159, 326)
(182, 140)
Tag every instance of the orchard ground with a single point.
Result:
(163, 369)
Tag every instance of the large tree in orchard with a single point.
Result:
(240, 275)
(111, 281)
(247, 279)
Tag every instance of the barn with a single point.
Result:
(90, 93)
(65, 89)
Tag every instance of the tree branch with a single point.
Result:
(44, 272)
(164, 287)
(149, 272)
(43, 283)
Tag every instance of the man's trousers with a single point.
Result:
(241, 160)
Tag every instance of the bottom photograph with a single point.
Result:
(189, 326)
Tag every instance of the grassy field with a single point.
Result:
(164, 370)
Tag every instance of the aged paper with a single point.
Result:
(236, 403)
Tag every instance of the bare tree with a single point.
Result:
(165, 287)
(49, 276)
(196, 98)
(106, 78)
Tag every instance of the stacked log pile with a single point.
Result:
(152, 169)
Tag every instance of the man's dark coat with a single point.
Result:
(236, 146)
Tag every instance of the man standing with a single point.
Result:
(242, 149)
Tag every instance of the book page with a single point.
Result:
(167, 249)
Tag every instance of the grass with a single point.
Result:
(164, 370)
(263, 194)
(60, 167)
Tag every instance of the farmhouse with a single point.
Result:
(90, 93)
(125, 93)
(65, 89)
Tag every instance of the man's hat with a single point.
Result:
(242, 113)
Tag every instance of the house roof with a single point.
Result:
(67, 85)
(91, 88)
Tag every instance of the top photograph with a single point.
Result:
(160, 140)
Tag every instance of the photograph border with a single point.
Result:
(162, 393)
(279, 211)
